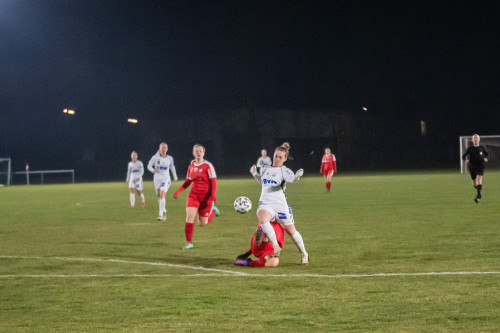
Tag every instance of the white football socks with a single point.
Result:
(297, 239)
(142, 197)
(269, 231)
(132, 199)
(162, 206)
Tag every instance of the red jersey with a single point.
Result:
(266, 248)
(201, 176)
(328, 163)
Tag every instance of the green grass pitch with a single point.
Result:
(77, 258)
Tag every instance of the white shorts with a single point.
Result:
(282, 213)
(162, 185)
(136, 183)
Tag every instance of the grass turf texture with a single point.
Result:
(77, 258)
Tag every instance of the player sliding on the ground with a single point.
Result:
(134, 179)
(264, 252)
(160, 164)
(272, 202)
(328, 168)
(475, 158)
(203, 195)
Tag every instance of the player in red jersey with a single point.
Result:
(328, 167)
(264, 252)
(203, 195)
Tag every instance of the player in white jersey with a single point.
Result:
(161, 165)
(263, 161)
(134, 178)
(272, 202)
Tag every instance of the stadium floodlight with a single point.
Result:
(492, 145)
(365, 108)
(69, 111)
(132, 120)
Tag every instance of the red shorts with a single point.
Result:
(327, 172)
(204, 207)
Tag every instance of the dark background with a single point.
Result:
(238, 76)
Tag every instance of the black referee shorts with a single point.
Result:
(476, 170)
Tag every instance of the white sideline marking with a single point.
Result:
(216, 272)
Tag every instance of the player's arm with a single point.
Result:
(128, 173)
(183, 187)
(255, 174)
(289, 176)
(212, 193)
(141, 170)
(172, 168)
(151, 164)
(485, 159)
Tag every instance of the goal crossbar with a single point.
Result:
(42, 172)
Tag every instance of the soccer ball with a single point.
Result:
(242, 205)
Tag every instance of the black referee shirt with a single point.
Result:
(476, 154)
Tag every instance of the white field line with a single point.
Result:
(214, 271)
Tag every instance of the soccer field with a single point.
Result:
(388, 252)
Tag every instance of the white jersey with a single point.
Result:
(273, 180)
(264, 161)
(162, 166)
(135, 171)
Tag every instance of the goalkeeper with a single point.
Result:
(262, 249)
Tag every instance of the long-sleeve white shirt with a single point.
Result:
(273, 180)
(162, 165)
(135, 170)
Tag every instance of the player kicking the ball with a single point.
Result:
(161, 165)
(272, 202)
(134, 179)
(203, 195)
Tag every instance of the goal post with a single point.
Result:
(492, 145)
(5, 171)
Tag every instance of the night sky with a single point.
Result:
(239, 76)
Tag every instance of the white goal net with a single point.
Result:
(492, 145)
(5, 172)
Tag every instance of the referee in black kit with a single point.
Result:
(475, 158)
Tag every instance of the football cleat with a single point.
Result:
(240, 262)
(164, 217)
(159, 218)
(259, 234)
(143, 204)
(217, 211)
(131, 206)
(277, 252)
(188, 246)
(305, 259)
(476, 200)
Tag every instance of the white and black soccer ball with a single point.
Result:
(242, 205)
